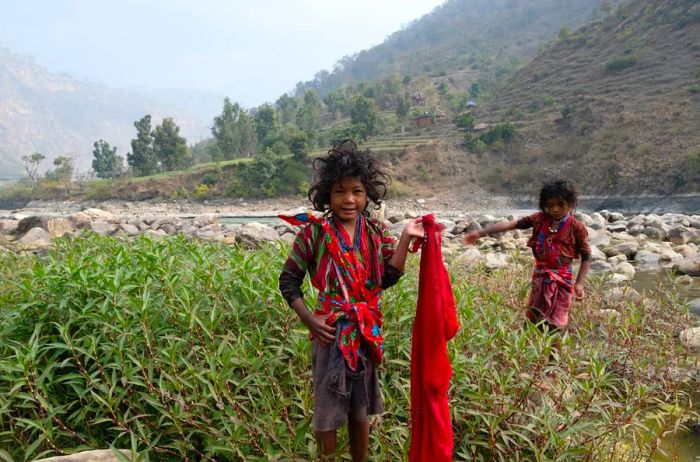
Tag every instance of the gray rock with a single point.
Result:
(102, 227)
(79, 220)
(687, 250)
(694, 222)
(680, 235)
(600, 266)
(617, 259)
(625, 269)
(469, 257)
(646, 256)
(168, 228)
(205, 220)
(601, 240)
(617, 227)
(616, 217)
(652, 232)
(34, 238)
(629, 249)
(131, 230)
(689, 266)
(99, 214)
(8, 226)
(691, 337)
(102, 455)
(617, 295)
(395, 217)
(597, 226)
(637, 220)
(670, 255)
(495, 260)
(635, 230)
(254, 234)
(55, 226)
(694, 306)
(618, 278)
(597, 254)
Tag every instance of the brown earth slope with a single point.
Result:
(615, 106)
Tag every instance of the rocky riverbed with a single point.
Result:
(621, 244)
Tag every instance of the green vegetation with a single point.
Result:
(620, 63)
(184, 350)
(106, 163)
(493, 138)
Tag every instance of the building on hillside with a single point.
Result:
(480, 127)
(423, 120)
(471, 103)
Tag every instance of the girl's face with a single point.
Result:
(557, 208)
(348, 199)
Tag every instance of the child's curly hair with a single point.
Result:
(560, 189)
(344, 160)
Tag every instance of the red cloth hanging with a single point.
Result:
(435, 324)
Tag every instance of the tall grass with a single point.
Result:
(185, 351)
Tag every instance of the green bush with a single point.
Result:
(186, 351)
(620, 63)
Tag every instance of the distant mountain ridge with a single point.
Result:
(615, 105)
(56, 114)
(488, 35)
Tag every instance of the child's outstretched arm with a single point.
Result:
(502, 226)
(413, 229)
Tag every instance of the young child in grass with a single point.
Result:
(350, 260)
(557, 239)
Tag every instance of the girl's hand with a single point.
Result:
(471, 237)
(578, 290)
(321, 331)
(414, 228)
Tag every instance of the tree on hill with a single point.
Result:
(287, 107)
(465, 121)
(267, 126)
(31, 165)
(309, 113)
(234, 133)
(169, 147)
(106, 163)
(299, 145)
(403, 108)
(364, 111)
(142, 158)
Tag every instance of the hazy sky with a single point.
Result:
(252, 51)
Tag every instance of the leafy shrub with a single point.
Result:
(108, 342)
(465, 121)
(620, 63)
(209, 179)
(201, 192)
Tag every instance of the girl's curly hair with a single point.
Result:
(344, 160)
(560, 189)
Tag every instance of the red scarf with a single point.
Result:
(358, 306)
(435, 324)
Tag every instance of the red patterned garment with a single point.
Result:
(348, 279)
(552, 289)
(435, 324)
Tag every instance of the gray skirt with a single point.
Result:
(340, 392)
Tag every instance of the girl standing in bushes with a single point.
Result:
(557, 239)
(350, 260)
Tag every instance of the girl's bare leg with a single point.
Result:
(359, 439)
(328, 442)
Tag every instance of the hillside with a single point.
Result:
(59, 115)
(616, 105)
(488, 37)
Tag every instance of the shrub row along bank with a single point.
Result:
(181, 349)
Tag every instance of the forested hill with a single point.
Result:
(490, 36)
(615, 104)
(58, 115)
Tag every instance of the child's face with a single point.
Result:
(348, 199)
(557, 208)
